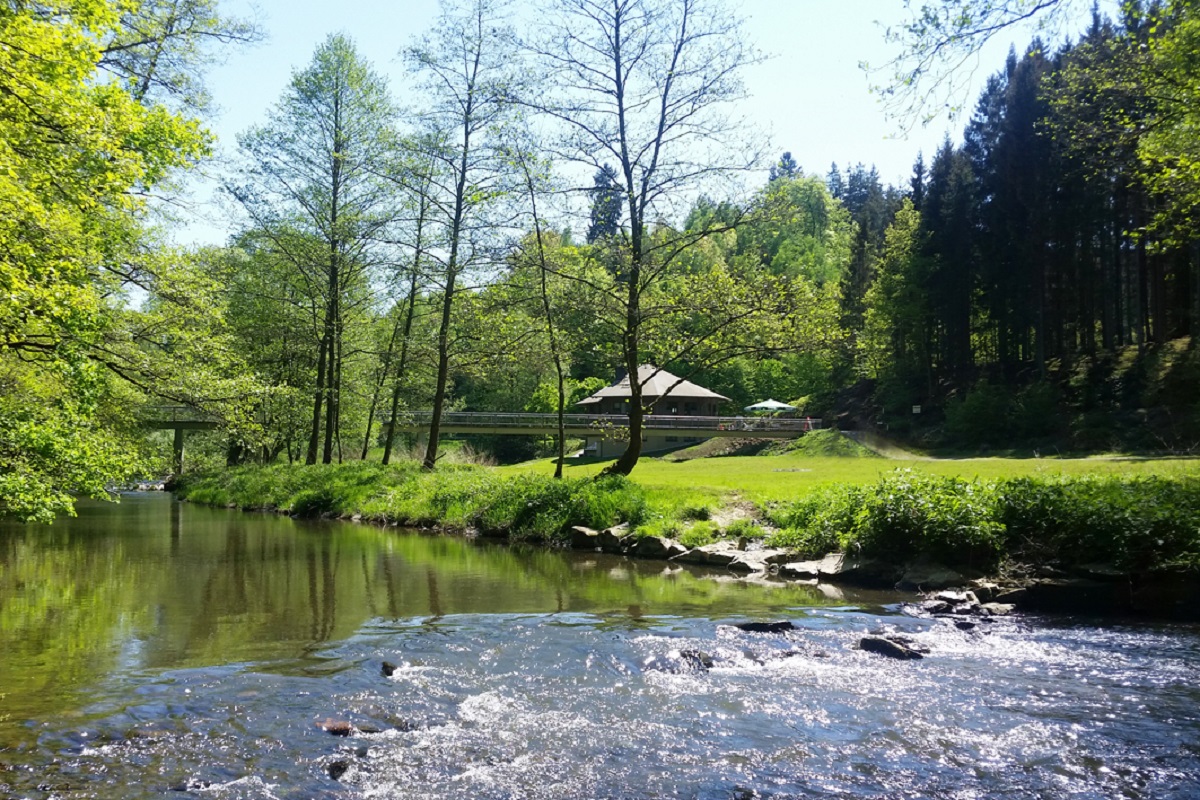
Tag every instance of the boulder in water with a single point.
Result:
(781, 626)
(680, 662)
(336, 727)
(889, 648)
(658, 547)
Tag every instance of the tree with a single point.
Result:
(606, 204)
(311, 185)
(79, 154)
(930, 74)
(466, 65)
(786, 168)
(896, 340)
(160, 48)
(641, 84)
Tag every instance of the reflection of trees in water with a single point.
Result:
(176, 526)
(435, 598)
(157, 585)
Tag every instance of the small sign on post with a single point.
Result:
(916, 409)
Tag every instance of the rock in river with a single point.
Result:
(766, 627)
(886, 647)
(680, 661)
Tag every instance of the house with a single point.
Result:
(663, 394)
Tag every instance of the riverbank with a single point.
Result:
(1106, 544)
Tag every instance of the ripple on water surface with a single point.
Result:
(582, 706)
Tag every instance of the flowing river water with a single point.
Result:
(159, 649)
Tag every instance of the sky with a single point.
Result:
(810, 97)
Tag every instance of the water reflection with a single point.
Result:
(152, 648)
(152, 584)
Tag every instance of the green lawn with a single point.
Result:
(762, 479)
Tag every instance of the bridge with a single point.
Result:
(187, 418)
(179, 419)
(597, 424)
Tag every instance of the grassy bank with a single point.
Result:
(1131, 515)
(521, 507)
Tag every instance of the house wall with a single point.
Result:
(613, 448)
(668, 406)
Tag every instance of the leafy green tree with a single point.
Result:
(896, 343)
(80, 154)
(161, 48)
(311, 184)
(641, 85)
(467, 69)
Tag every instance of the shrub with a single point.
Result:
(980, 418)
(744, 527)
(695, 512)
(947, 518)
(698, 535)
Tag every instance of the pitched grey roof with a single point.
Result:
(655, 383)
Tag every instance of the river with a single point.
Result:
(160, 649)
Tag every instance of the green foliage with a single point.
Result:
(81, 154)
(742, 528)
(1134, 523)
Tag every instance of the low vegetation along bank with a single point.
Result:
(1116, 526)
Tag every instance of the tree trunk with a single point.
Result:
(314, 438)
(408, 323)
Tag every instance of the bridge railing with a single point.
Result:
(167, 414)
(656, 422)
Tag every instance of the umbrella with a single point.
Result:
(770, 405)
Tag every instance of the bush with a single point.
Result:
(700, 534)
(695, 513)
(983, 417)
(950, 519)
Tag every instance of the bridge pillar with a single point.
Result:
(177, 447)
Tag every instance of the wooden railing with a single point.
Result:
(177, 417)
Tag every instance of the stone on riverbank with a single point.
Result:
(717, 554)
(658, 547)
(998, 609)
(584, 538)
(928, 576)
(614, 540)
(757, 560)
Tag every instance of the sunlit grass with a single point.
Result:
(762, 479)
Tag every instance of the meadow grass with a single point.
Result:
(765, 479)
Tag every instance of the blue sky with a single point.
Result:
(810, 97)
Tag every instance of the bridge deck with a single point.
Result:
(177, 418)
(597, 424)
(186, 418)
